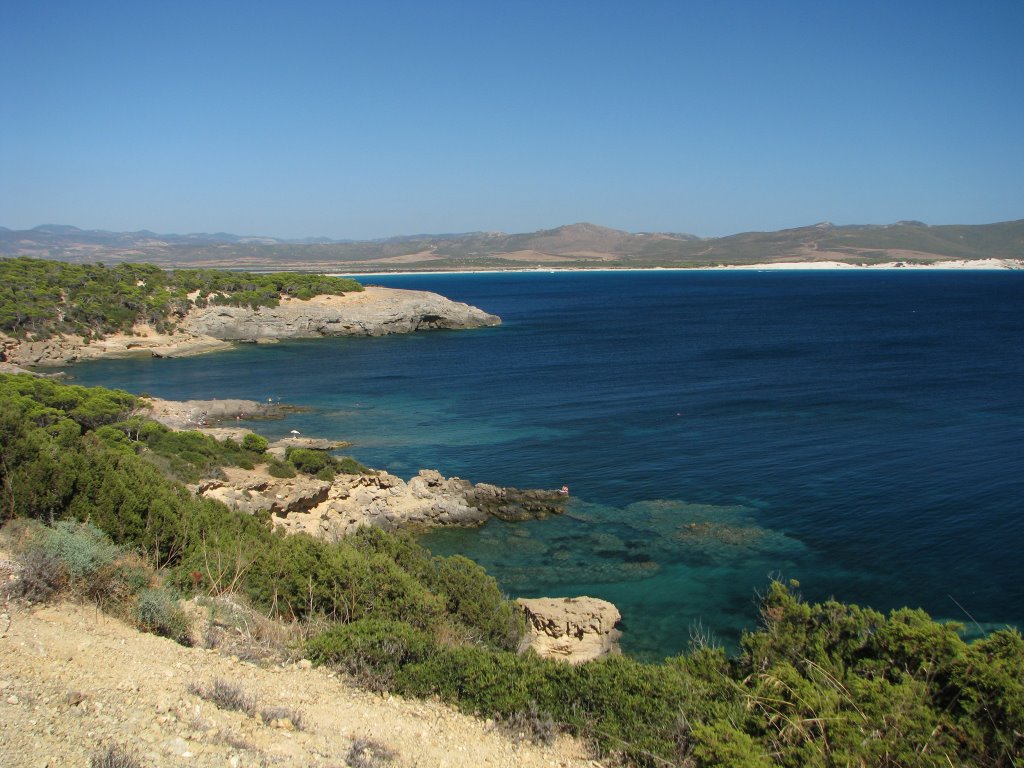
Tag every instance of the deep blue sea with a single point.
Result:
(860, 431)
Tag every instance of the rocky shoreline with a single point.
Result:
(569, 629)
(375, 311)
(377, 499)
(337, 507)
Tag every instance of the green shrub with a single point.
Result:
(282, 469)
(400, 547)
(81, 547)
(307, 460)
(304, 576)
(255, 443)
(722, 744)
(346, 465)
(159, 613)
(490, 683)
(323, 465)
(472, 600)
(472, 597)
(371, 650)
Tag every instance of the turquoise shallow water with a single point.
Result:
(861, 432)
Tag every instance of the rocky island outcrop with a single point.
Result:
(375, 311)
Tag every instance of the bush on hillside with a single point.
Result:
(255, 443)
(159, 613)
(323, 465)
(371, 650)
(82, 548)
(281, 469)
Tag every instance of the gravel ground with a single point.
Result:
(75, 682)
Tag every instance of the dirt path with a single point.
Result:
(74, 681)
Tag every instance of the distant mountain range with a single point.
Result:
(572, 246)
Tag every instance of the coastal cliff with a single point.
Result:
(374, 311)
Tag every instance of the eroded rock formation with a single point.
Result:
(572, 629)
(65, 349)
(378, 500)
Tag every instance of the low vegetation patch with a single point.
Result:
(367, 753)
(225, 695)
(158, 612)
(115, 756)
(323, 465)
(274, 715)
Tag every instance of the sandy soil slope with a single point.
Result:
(74, 681)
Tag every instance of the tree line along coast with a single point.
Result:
(103, 502)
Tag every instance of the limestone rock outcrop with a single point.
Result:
(6, 367)
(66, 349)
(279, 448)
(375, 311)
(254, 491)
(378, 500)
(196, 414)
(572, 629)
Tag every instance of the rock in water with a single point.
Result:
(573, 629)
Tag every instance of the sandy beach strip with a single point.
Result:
(958, 264)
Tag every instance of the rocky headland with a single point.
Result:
(375, 311)
(337, 507)
(569, 629)
(202, 415)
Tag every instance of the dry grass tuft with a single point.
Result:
(366, 753)
(273, 715)
(115, 756)
(225, 695)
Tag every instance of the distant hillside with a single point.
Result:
(576, 246)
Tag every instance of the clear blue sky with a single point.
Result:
(369, 119)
